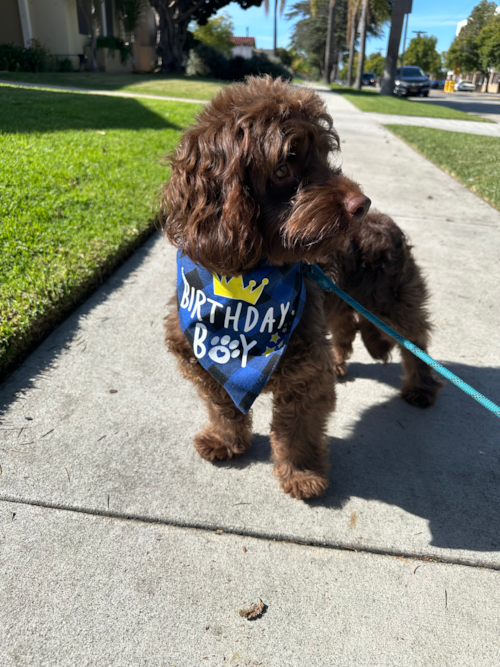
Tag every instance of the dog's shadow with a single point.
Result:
(441, 464)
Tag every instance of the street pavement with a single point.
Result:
(120, 546)
(479, 104)
(448, 124)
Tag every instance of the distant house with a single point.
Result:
(243, 46)
(64, 27)
(485, 84)
(269, 53)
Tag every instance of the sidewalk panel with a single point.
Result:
(82, 590)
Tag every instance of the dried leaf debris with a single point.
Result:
(254, 611)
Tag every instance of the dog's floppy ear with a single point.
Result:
(208, 211)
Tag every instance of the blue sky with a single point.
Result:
(436, 17)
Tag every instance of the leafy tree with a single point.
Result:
(489, 45)
(310, 34)
(285, 55)
(375, 63)
(310, 31)
(422, 52)
(131, 12)
(217, 32)
(464, 51)
(175, 16)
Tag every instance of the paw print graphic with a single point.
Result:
(223, 352)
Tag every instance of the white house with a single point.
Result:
(243, 46)
(463, 23)
(489, 84)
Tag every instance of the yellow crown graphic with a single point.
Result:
(233, 288)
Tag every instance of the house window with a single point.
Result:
(84, 16)
(108, 5)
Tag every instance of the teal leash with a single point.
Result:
(314, 272)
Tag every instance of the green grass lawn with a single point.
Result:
(371, 101)
(78, 177)
(152, 84)
(471, 159)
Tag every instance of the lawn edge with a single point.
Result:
(49, 88)
(17, 352)
(453, 176)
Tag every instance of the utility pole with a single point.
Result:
(399, 9)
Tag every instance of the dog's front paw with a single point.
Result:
(212, 447)
(303, 484)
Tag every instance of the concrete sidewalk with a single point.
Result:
(109, 546)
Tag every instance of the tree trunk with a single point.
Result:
(352, 42)
(391, 62)
(329, 42)
(362, 44)
(335, 62)
(172, 39)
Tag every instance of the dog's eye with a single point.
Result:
(282, 172)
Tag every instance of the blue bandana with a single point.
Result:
(238, 328)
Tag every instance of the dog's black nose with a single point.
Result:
(357, 207)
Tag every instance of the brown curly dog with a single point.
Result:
(252, 180)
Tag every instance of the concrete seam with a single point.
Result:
(274, 537)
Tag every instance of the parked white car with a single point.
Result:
(465, 86)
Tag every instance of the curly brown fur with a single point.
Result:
(252, 180)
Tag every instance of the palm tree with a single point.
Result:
(362, 44)
(352, 20)
(391, 62)
(282, 8)
(329, 41)
(374, 13)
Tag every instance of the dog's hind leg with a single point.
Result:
(420, 386)
(343, 326)
(408, 317)
(378, 345)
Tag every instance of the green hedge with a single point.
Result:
(204, 60)
(34, 58)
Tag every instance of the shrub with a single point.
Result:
(34, 58)
(205, 60)
(64, 65)
(115, 44)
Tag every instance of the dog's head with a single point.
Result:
(252, 179)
